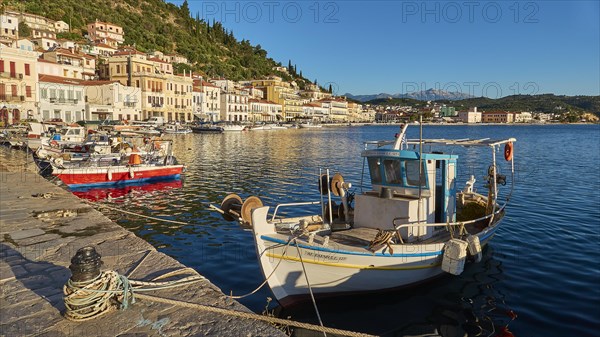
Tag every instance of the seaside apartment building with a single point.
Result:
(112, 100)
(261, 110)
(132, 68)
(61, 98)
(234, 105)
(283, 93)
(163, 94)
(206, 101)
(497, 117)
(18, 82)
(178, 98)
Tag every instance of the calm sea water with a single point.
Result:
(539, 275)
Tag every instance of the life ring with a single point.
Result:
(508, 151)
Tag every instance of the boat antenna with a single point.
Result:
(400, 137)
(420, 167)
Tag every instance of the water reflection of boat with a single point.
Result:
(412, 225)
(98, 194)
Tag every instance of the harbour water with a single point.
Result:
(539, 275)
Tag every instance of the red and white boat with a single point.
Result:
(136, 170)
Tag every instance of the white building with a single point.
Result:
(469, 116)
(44, 42)
(9, 28)
(263, 111)
(206, 101)
(523, 117)
(315, 112)
(234, 106)
(61, 26)
(61, 98)
(112, 100)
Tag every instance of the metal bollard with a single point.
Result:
(85, 265)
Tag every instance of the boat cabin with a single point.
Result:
(404, 185)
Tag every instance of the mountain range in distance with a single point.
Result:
(423, 95)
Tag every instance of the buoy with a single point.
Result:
(109, 174)
(131, 173)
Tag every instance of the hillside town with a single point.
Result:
(47, 78)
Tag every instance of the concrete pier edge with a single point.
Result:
(39, 236)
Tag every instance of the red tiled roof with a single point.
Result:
(207, 84)
(104, 45)
(45, 61)
(71, 81)
(156, 59)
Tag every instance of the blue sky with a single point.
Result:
(486, 48)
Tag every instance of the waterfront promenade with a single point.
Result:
(41, 228)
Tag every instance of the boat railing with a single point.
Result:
(446, 224)
(304, 203)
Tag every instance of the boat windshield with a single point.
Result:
(396, 172)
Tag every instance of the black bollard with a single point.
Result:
(85, 265)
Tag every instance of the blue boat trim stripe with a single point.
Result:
(125, 182)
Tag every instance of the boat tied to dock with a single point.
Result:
(408, 224)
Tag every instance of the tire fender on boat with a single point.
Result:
(109, 174)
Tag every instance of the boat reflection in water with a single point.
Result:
(102, 193)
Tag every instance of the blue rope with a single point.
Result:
(128, 296)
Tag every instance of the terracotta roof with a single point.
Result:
(207, 84)
(72, 81)
(45, 61)
(128, 52)
(106, 23)
(316, 105)
(67, 52)
(196, 89)
(59, 79)
(254, 100)
(104, 45)
(156, 59)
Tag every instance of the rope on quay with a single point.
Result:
(136, 214)
(251, 315)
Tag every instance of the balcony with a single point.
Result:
(157, 105)
(12, 98)
(130, 104)
(6, 74)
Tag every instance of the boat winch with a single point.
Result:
(234, 208)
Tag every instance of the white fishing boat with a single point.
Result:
(268, 127)
(310, 125)
(228, 127)
(176, 129)
(409, 225)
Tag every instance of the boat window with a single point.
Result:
(392, 171)
(374, 168)
(412, 173)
